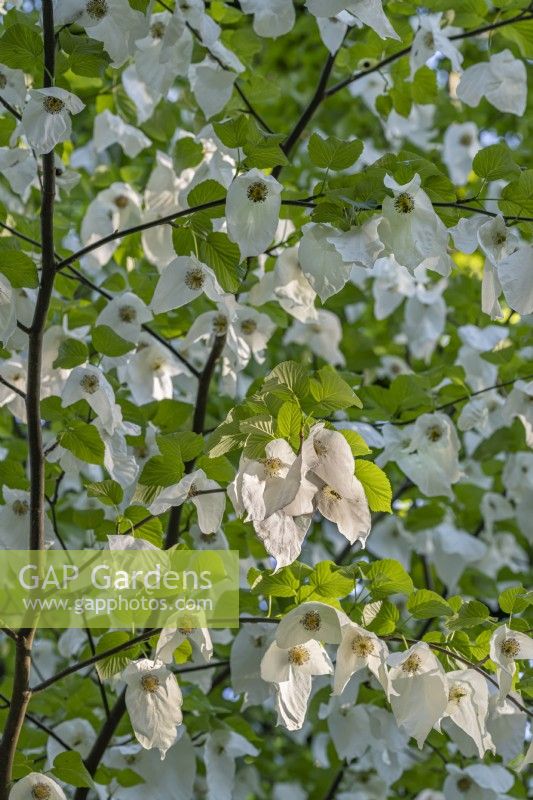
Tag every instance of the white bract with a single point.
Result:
(291, 670)
(153, 701)
(46, 117)
(181, 282)
(359, 649)
(35, 786)
(410, 229)
(429, 39)
(113, 22)
(418, 690)
(502, 81)
(506, 647)
(308, 621)
(367, 12)
(272, 18)
(252, 211)
(90, 384)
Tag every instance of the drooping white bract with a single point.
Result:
(340, 497)
(160, 56)
(113, 22)
(519, 403)
(291, 671)
(460, 145)
(77, 733)
(247, 650)
(515, 279)
(35, 785)
(417, 127)
(312, 620)
(13, 85)
(15, 521)
(283, 534)
(288, 285)
(272, 18)
(222, 747)
(113, 209)
(392, 284)
(410, 229)
(209, 506)
(111, 129)
(251, 332)
(149, 371)
(450, 550)
(174, 777)
(260, 488)
(89, 383)
(181, 282)
(19, 168)
(252, 211)
(8, 312)
(160, 199)
(171, 638)
(479, 372)
(359, 649)
(477, 782)
(212, 85)
(432, 457)
(467, 709)
(418, 690)
(125, 315)
(46, 117)
(321, 262)
(153, 701)
(368, 12)
(502, 81)
(390, 539)
(321, 335)
(333, 29)
(506, 647)
(496, 240)
(429, 39)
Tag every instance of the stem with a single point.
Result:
(200, 410)
(307, 113)
(21, 691)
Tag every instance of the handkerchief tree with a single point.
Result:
(266, 284)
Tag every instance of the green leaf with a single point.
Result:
(69, 767)
(332, 153)
(377, 486)
(469, 615)
(495, 162)
(224, 258)
(21, 47)
(291, 375)
(515, 599)
(187, 153)
(19, 268)
(424, 87)
(109, 492)
(289, 423)
(425, 604)
(109, 343)
(84, 442)
(263, 154)
(358, 446)
(112, 665)
(206, 192)
(331, 392)
(237, 131)
(71, 353)
(331, 581)
(162, 471)
(281, 584)
(380, 617)
(388, 577)
(259, 432)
